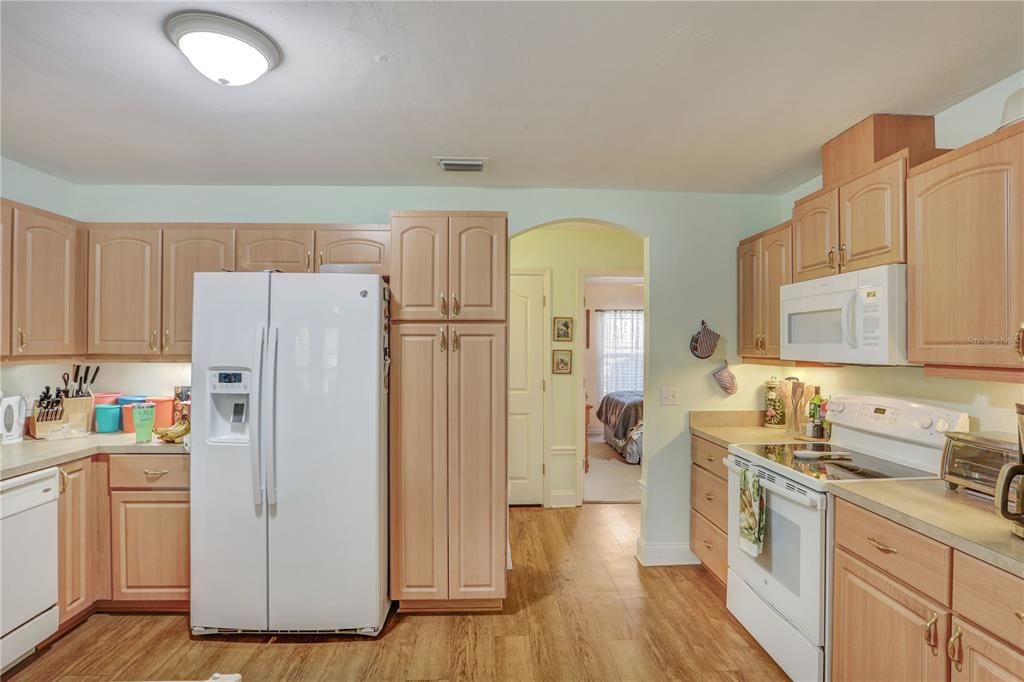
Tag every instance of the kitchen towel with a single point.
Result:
(752, 514)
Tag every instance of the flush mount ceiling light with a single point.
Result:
(223, 49)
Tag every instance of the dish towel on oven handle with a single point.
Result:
(752, 503)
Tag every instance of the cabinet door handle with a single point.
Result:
(709, 497)
(309, 257)
(455, 341)
(881, 547)
(321, 258)
(707, 544)
(444, 341)
(167, 339)
(152, 341)
(21, 340)
(456, 306)
(929, 633)
(155, 472)
(953, 648)
(444, 307)
(1020, 342)
(832, 258)
(842, 255)
(63, 481)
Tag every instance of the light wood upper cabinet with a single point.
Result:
(748, 287)
(6, 244)
(76, 577)
(124, 290)
(872, 219)
(368, 245)
(965, 264)
(764, 264)
(283, 247)
(478, 267)
(419, 461)
(150, 544)
(45, 286)
(419, 267)
(187, 251)
(883, 630)
(776, 270)
(477, 479)
(977, 656)
(816, 236)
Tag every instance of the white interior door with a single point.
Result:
(526, 368)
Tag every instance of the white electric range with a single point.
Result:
(782, 596)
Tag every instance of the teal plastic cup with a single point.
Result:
(143, 415)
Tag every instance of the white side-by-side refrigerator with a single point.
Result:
(289, 453)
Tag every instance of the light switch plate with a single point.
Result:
(669, 395)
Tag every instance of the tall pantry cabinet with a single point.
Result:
(448, 410)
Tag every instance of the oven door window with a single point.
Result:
(789, 572)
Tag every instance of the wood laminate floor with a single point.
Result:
(579, 608)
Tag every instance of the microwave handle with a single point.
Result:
(848, 322)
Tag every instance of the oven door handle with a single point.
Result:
(814, 501)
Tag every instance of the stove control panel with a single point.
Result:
(896, 418)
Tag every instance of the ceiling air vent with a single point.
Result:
(460, 164)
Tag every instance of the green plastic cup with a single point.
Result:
(143, 415)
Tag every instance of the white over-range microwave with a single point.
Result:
(857, 318)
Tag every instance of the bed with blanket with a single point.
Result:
(622, 413)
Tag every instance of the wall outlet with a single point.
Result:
(669, 395)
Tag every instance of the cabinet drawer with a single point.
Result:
(709, 496)
(988, 596)
(709, 544)
(149, 471)
(708, 456)
(922, 563)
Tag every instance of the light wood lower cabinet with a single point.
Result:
(76, 577)
(882, 630)
(448, 462)
(150, 544)
(709, 505)
(47, 279)
(124, 290)
(977, 656)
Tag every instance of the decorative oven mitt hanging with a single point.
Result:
(726, 379)
(704, 342)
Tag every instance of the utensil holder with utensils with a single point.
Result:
(70, 419)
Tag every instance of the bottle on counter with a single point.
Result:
(774, 409)
(814, 407)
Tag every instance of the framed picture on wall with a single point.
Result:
(561, 362)
(561, 328)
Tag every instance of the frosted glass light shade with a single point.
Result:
(223, 49)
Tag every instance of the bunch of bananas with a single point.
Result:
(176, 433)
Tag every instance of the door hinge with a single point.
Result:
(543, 384)
(544, 301)
(543, 469)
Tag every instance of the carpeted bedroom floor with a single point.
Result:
(610, 479)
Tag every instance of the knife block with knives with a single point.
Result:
(68, 413)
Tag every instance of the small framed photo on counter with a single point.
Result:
(561, 362)
(562, 328)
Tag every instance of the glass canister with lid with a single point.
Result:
(774, 409)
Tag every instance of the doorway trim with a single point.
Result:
(545, 274)
(581, 390)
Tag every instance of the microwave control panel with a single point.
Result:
(870, 303)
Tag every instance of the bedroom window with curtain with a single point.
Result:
(622, 350)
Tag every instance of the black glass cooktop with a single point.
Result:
(827, 462)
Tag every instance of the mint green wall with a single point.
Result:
(27, 185)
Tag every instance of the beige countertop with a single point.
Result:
(727, 435)
(951, 517)
(32, 455)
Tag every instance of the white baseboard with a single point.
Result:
(664, 554)
(562, 498)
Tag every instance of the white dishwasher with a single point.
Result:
(28, 563)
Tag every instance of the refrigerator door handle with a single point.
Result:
(257, 481)
(270, 450)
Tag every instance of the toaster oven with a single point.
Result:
(973, 460)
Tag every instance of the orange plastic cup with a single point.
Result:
(164, 411)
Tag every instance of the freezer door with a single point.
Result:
(326, 463)
(228, 506)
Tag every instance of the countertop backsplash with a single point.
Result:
(142, 378)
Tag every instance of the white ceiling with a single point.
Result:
(729, 97)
